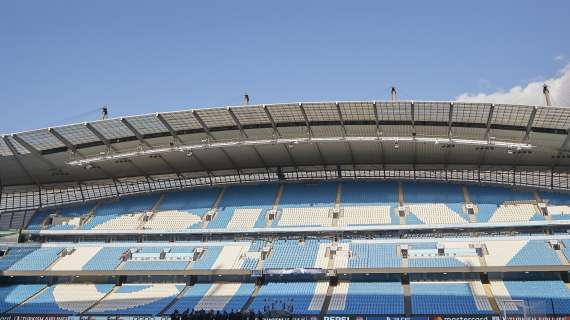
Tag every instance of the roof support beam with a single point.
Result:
(19, 161)
(144, 142)
(43, 159)
(270, 117)
(379, 133)
(276, 135)
(73, 149)
(566, 144)
(449, 135)
(244, 135)
(34, 151)
(529, 124)
(344, 132)
(487, 132)
(489, 121)
(63, 140)
(110, 147)
(177, 138)
(209, 134)
(310, 133)
(415, 146)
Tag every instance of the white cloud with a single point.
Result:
(530, 94)
(559, 57)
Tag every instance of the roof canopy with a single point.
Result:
(290, 135)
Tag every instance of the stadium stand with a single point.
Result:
(389, 239)
(370, 298)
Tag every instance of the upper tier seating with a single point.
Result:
(183, 209)
(430, 298)
(520, 252)
(217, 296)
(242, 207)
(434, 203)
(137, 299)
(489, 200)
(293, 297)
(540, 297)
(370, 298)
(373, 255)
(297, 195)
(63, 299)
(12, 295)
(305, 205)
(124, 214)
(39, 259)
(305, 254)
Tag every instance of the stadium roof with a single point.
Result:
(290, 135)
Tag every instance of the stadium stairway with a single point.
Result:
(407, 296)
(251, 298)
(327, 300)
(178, 296)
(26, 300)
(99, 301)
(489, 294)
(215, 206)
(152, 211)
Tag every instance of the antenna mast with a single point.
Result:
(104, 113)
(394, 94)
(546, 93)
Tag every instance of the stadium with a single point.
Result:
(328, 210)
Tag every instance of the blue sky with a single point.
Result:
(61, 60)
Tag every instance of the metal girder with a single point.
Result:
(244, 134)
(100, 136)
(379, 132)
(177, 138)
(449, 134)
(63, 140)
(72, 148)
(529, 124)
(276, 134)
(268, 114)
(310, 132)
(487, 131)
(566, 144)
(236, 121)
(344, 132)
(110, 147)
(489, 120)
(207, 131)
(19, 161)
(415, 145)
(144, 142)
(34, 151)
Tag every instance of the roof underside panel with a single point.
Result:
(558, 118)
(250, 115)
(17, 146)
(77, 134)
(470, 113)
(112, 129)
(354, 111)
(4, 150)
(282, 113)
(182, 120)
(218, 117)
(147, 124)
(41, 139)
(431, 111)
(511, 115)
(321, 112)
(394, 111)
